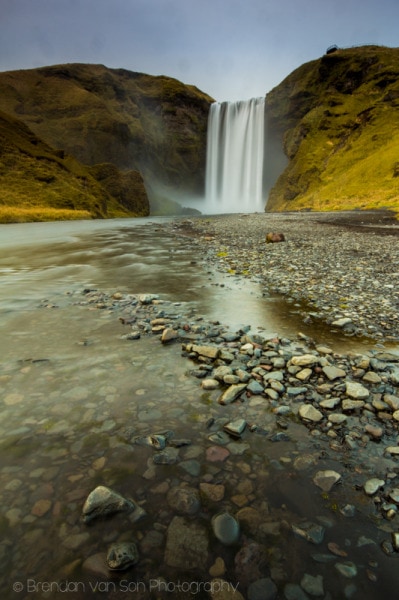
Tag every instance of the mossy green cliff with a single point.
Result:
(338, 120)
(153, 125)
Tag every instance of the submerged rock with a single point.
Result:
(186, 545)
(226, 528)
(122, 555)
(325, 480)
(102, 502)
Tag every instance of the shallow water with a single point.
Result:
(75, 395)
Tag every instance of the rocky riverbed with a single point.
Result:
(189, 459)
(339, 269)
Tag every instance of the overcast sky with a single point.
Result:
(231, 49)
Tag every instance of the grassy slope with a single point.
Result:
(339, 120)
(156, 125)
(38, 183)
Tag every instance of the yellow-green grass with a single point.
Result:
(16, 214)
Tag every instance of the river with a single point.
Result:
(74, 393)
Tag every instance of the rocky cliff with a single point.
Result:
(153, 125)
(338, 120)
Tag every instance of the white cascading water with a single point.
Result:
(235, 155)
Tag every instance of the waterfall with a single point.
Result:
(235, 156)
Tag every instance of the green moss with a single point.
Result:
(338, 119)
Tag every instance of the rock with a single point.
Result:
(395, 540)
(148, 298)
(186, 545)
(102, 502)
(218, 568)
(348, 405)
(97, 565)
(223, 590)
(168, 335)
(330, 403)
(232, 393)
(394, 450)
(304, 360)
(251, 562)
(312, 532)
(184, 500)
(375, 432)
(206, 351)
(122, 555)
(209, 384)
(292, 591)
(313, 585)
(273, 238)
(216, 454)
(166, 457)
(392, 401)
(372, 486)
(337, 419)
(356, 390)
(213, 492)
(371, 377)
(254, 387)
(325, 480)
(342, 322)
(249, 519)
(226, 528)
(333, 373)
(347, 569)
(310, 413)
(262, 589)
(394, 495)
(235, 428)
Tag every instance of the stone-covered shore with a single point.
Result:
(343, 267)
(268, 388)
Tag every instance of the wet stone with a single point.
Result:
(168, 456)
(310, 413)
(262, 589)
(292, 591)
(313, 585)
(184, 500)
(122, 555)
(347, 569)
(312, 532)
(102, 502)
(213, 492)
(356, 391)
(232, 393)
(186, 545)
(235, 428)
(372, 486)
(216, 454)
(226, 528)
(325, 480)
(333, 373)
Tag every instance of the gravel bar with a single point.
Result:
(343, 268)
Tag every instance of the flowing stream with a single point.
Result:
(73, 392)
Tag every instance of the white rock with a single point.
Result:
(373, 485)
(325, 480)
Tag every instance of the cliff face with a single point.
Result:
(153, 125)
(338, 120)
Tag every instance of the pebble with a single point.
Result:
(372, 486)
(226, 528)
